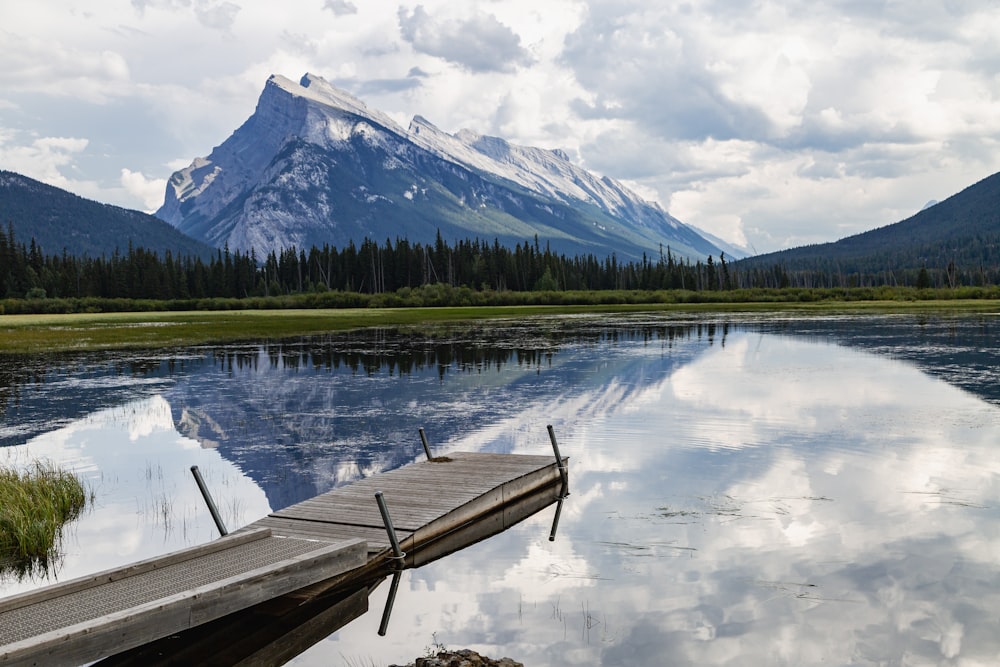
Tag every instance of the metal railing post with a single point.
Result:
(559, 461)
(208, 501)
(397, 553)
(427, 447)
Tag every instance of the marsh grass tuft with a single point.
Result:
(35, 503)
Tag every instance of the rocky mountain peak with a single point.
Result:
(316, 165)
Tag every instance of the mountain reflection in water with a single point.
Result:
(746, 490)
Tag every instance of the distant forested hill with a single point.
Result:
(956, 241)
(59, 220)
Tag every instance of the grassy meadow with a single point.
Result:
(38, 333)
(84, 331)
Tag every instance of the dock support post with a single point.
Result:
(423, 440)
(397, 553)
(389, 601)
(555, 520)
(208, 501)
(559, 462)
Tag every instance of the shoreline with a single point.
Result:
(51, 333)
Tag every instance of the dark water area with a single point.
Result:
(745, 489)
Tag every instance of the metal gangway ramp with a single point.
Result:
(85, 619)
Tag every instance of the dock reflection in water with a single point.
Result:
(276, 631)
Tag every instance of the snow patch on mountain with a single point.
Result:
(539, 170)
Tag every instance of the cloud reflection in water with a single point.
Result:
(773, 501)
(147, 502)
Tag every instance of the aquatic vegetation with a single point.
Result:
(35, 504)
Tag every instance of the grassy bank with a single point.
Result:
(37, 333)
(34, 506)
(157, 328)
(441, 295)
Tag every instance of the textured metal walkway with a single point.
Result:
(84, 619)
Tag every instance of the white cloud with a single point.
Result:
(479, 43)
(340, 7)
(148, 191)
(218, 16)
(41, 158)
(142, 5)
(34, 65)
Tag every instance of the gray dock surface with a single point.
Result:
(425, 499)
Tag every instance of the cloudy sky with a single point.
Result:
(772, 124)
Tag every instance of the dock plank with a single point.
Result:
(376, 538)
(425, 500)
(419, 493)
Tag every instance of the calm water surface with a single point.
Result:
(744, 490)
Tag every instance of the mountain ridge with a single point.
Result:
(960, 233)
(59, 220)
(314, 165)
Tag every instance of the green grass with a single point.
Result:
(34, 505)
(35, 333)
(43, 333)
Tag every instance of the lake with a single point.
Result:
(745, 489)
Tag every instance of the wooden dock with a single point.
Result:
(425, 499)
(289, 558)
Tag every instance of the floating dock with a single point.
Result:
(287, 559)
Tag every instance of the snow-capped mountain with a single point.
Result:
(314, 165)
